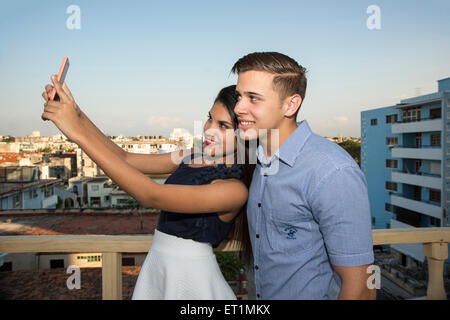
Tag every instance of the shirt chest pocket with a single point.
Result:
(289, 231)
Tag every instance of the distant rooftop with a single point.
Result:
(101, 222)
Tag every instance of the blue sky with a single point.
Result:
(145, 67)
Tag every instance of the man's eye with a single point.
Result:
(224, 126)
(253, 98)
(238, 97)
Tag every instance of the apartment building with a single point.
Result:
(405, 156)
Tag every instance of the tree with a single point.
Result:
(230, 264)
(353, 148)
(45, 150)
(9, 139)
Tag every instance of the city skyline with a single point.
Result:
(147, 68)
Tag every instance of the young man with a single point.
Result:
(309, 220)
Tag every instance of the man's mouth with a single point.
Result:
(245, 124)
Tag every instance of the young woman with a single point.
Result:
(201, 203)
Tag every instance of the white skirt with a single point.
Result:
(181, 269)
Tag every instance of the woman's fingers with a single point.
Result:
(50, 108)
(46, 116)
(48, 89)
(67, 91)
(59, 90)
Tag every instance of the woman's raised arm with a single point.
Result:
(145, 163)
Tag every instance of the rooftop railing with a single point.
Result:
(435, 248)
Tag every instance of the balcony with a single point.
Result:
(417, 179)
(423, 125)
(418, 206)
(423, 152)
(434, 243)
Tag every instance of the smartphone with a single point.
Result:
(53, 96)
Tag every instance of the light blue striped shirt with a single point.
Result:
(312, 214)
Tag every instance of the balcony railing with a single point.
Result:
(425, 174)
(435, 248)
(417, 119)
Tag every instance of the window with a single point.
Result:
(47, 191)
(391, 118)
(435, 113)
(391, 140)
(435, 195)
(128, 261)
(16, 201)
(58, 263)
(7, 266)
(418, 166)
(391, 163)
(94, 258)
(435, 222)
(417, 193)
(94, 187)
(418, 140)
(388, 207)
(436, 139)
(435, 167)
(411, 114)
(391, 186)
(95, 201)
(373, 122)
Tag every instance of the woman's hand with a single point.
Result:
(65, 113)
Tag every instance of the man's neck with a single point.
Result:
(275, 139)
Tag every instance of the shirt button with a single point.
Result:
(257, 236)
(256, 267)
(259, 205)
(258, 295)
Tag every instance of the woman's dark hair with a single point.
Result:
(228, 97)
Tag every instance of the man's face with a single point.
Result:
(258, 105)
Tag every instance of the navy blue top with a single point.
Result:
(203, 227)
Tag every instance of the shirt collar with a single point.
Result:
(291, 147)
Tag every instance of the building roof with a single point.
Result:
(7, 188)
(11, 157)
(52, 284)
(95, 222)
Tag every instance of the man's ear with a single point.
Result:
(292, 103)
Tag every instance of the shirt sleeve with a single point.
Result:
(340, 205)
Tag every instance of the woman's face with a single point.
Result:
(220, 140)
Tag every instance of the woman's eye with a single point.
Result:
(253, 99)
(224, 126)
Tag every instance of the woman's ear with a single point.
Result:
(292, 103)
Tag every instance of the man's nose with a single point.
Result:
(239, 108)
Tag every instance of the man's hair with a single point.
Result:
(289, 76)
